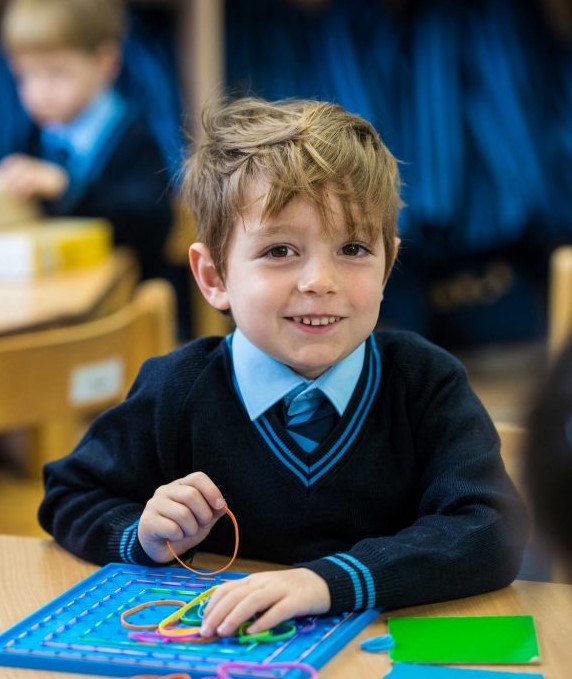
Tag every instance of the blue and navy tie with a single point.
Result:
(56, 149)
(309, 416)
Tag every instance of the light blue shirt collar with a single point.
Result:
(86, 128)
(263, 381)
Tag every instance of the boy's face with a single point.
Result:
(57, 85)
(305, 297)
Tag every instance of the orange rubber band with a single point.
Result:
(232, 517)
(147, 604)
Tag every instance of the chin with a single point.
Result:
(311, 371)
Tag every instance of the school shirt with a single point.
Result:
(406, 502)
(262, 381)
(80, 144)
(116, 171)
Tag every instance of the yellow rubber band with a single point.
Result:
(172, 632)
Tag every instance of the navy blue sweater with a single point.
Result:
(406, 502)
(129, 186)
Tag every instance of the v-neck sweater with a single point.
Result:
(406, 502)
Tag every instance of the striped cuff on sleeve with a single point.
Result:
(350, 582)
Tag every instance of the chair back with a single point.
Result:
(205, 320)
(560, 301)
(513, 437)
(52, 381)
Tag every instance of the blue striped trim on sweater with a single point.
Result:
(361, 578)
(128, 539)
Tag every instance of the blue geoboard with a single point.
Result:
(81, 630)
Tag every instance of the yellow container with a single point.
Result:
(34, 249)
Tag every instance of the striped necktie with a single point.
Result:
(309, 416)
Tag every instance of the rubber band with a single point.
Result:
(192, 617)
(156, 638)
(220, 570)
(285, 630)
(224, 668)
(147, 604)
(175, 632)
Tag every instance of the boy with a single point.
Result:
(401, 499)
(90, 155)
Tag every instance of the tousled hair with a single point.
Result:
(36, 25)
(300, 148)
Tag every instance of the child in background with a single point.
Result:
(363, 458)
(548, 458)
(91, 155)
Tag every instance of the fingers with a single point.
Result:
(185, 507)
(27, 177)
(270, 598)
(182, 512)
(206, 487)
(15, 176)
(234, 603)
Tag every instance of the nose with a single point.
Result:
(318, 276)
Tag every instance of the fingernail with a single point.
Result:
(220, 503)
(223, 629)
(205, 631)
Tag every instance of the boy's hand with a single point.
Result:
(182, 512)
(274, 595)
(27, 177)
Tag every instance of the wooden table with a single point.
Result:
(33, 571)
(68, 297)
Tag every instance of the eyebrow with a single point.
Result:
(265, 230)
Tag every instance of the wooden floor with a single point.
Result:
(504, 378)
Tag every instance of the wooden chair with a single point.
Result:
(53, 381)
(513, 438)
(560, 300)
(205, 319)
(551, 567)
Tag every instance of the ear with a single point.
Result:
(389, 265)
(208, 279)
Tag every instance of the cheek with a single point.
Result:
(367, 292)
(259, 291)
(69, 92)
(30, 93)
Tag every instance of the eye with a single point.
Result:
(280, 251)
(355, 250)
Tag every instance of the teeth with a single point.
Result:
(322, 320)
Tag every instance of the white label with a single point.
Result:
(16, 257)
(97, 381)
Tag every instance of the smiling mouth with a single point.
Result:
(316, 320)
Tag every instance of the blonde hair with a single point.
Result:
(301, 148)
(35, 25)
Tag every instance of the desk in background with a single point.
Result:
(68, 297)
(34, 571)
(29, 310)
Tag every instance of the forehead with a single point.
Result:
(263, 210)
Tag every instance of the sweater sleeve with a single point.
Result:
(95, 496)
(469, 532)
